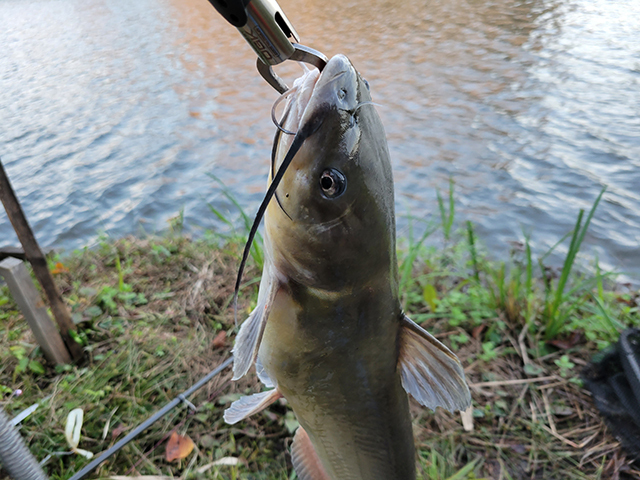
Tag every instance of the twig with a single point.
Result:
(523, 348)
(513, 411)
(552, 385)
(520, 381)
(547, 408)
(560, 437)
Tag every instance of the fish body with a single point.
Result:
(329, 333)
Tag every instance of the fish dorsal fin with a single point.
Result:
(304, 458)
(246, 406)
(249, 337)
(430, 372)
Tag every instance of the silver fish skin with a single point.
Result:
(329, 333)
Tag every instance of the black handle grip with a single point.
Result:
(234, 11)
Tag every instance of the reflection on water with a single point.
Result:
(114, 114)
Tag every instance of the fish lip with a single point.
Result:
(338, 76)
(336, 86)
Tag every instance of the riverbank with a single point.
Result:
(155, 315)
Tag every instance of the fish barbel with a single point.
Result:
(328, 332)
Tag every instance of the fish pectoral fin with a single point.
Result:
(430, 372)
(247, 406)
(304, 458)
(249, 337)
(263, 376)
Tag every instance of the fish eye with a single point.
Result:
(366, 84)
(333, 183)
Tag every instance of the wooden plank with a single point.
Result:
(8, 251)
(17, 252)
(32, 307)
(38, 263)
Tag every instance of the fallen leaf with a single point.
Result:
(115, 433)
(477, 331)
(628, 301)
(220, 340)
(467, 419)
(567, 343)
(141, 477)
(230, 461)
(59, 268)
(72, 432)
(178, 447)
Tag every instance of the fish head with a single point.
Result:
(331, 224)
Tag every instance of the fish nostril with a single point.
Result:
(339, 74)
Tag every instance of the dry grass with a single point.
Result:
(151, 313)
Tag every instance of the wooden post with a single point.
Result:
(26, 296)
(38, 263)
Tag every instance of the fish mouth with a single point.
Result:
(311, 96)
(336, 86)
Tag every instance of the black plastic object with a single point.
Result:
(234, 11)
(613, 378)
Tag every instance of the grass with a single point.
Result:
(154, 316)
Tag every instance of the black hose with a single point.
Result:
(14, 454)
(148, 422)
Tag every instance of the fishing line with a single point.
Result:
(273, 111)
(303, 133)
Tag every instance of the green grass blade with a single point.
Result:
(464, 471)
(407, 264)
(443, 214)
(529, 275)
(220, 215)
(577, 238)
(568, 263)
(474, 253)
(452, 208)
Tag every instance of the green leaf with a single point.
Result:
(18, 352)
(161, 250)
(290, 422)
(430, 296)
(36, 367)
(532, 369)
(22, 365)
(87, 291)
(93, 311)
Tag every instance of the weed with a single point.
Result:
(565, 365)
(472, 249)
(258, 243)
(558, 304)
(150, 312)
(447, 217)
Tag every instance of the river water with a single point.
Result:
(114, 115)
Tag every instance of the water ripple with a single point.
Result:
(115, 114)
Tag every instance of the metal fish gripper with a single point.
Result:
(266, 28)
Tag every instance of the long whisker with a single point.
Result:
(362, 104)
(306, 131)
(275, 105)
